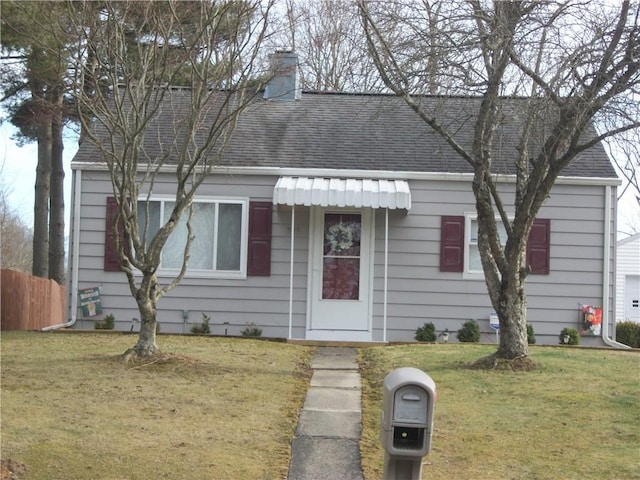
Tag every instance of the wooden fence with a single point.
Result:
(30, 303)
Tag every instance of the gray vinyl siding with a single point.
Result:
(417, 291)
(231, 303)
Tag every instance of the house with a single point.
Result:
(348, 219)
(628, 279)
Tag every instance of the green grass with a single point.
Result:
(218, 408)
(213, 408)
(577, 416)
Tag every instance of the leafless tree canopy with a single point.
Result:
(576, 62)
(327, 36)
(624, 150)
(15, 237)
(132, 60)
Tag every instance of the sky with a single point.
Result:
(18, 172)
(18, 167)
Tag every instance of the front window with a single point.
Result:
(473, 264)
(218, 228)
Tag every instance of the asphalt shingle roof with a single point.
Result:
(365, 132)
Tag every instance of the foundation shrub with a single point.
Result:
(469, 332)
(628, 333)
(569, 336)
(426, 333)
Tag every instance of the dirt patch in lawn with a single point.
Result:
(12, 469)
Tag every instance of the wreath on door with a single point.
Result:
(340, 237)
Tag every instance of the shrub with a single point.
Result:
(426, 333)
(470, 332)
(531, 335)
(107, 323)
(628, 333)
(203, 328)
(569, 336)
(251, 331)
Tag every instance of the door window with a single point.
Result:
(341, 256)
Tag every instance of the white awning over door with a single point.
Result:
(342, 192)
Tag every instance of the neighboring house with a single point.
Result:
(347, 218)
(628, 279)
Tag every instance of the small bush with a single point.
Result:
(251, 331)
(569, 336)
(107, 323)
(426, 333)
(203, 328)
(628, 333)
(470, 332)
(531, 335)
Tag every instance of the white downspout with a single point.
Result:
(606, 271)
(293, 229)
(386, 268)
(73, 256)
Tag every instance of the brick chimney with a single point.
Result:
(284, 84)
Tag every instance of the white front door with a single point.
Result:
(340, 281)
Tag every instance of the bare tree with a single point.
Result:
(138, 52)
(576, 62)
(625, 152)
(15, 236)
(327, 37)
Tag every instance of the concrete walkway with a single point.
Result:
(326, 442)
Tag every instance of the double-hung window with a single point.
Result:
(219, 228)
(473, 264)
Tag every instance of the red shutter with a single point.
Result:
(452, 244)
(539, 246)
(111, 260)
(259, 248)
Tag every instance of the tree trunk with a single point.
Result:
(512, 314)
(146, 300)
(41, 203)
(505, 274)
(146, 346)
(56, 214)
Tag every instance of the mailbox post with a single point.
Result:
(407, 422)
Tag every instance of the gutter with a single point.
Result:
(354, 173)
(606, 271)
(73, 258)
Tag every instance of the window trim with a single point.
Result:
(244, 236)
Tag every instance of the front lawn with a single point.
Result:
(212, 408)
(577, 416)
(218, 408)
